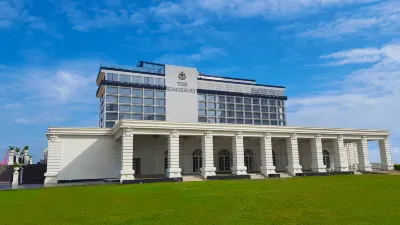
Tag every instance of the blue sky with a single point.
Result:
(339, 59)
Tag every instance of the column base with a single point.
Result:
(341, 169)
(267, 170)
(174, 172)
(126, 175)
(385, 166)
(51, 178)
(207, 171)
(239, 170)
(365, 168)
(15, 180)
(318, 168)
(292, 170)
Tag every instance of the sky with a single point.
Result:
(338, 59)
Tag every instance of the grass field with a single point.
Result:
(365, 199)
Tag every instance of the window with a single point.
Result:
(239, 121)
(202, 97)
(110, 124)
(265, 122)
(137, 109)
(273, 116)
(124, 108)
(239, 107)
(256, 115)
(248, 115)
(125, 78)
(148, 109)
(149, 80)
(137, 101)
(231, 106)
(256, 108)
(272, 109)
(137, 79)
(222, 120)
(159, 81)
(212, 120)
(272, 102)
(274, 122)
(112, 90)
(124, 116)
(202, 112)
(221, 106)
(148, 93)
(137, 117)
(264, 108)
(202, 120)
(159, 94)
(247, 100)
(202, 105)
(124, 91)
(159, 102)
(211, 105)
(230, 113)
(257, 122)
(137, 92)
(221, 98)
(111, 116)
(230, 99)
(148, 117)
(265, 116)
(149, 101)
(211, 98)
(264, 102)
(124, 99)
(160, 110)
(110, 98)
(197, 160)
(230, 120)
(160, 117)
(326, 159)
(112, 107)
(281, 110)
(247, 108)
(211, 113)
(248, 121)
(239, 114)
(256, 101)
(221, 113)
(239, 100)
(112, 77)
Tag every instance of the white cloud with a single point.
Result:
(366, 98)
(377, 19)
(205, 53)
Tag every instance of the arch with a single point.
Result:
(224, 152)
(248, 152)
(197, 152)
(249, 160)
(326, 159)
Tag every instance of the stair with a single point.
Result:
(256, 176)
(357, 173)
(285, 175)
(192, 178)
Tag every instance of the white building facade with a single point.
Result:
(174, 121)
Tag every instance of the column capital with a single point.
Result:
(53, 138)
(239, 134)
(294, 136)
(340, 137)
(208, 134)
(267, 136)
(174, 134)
(364, 139)
(128, 132)
(318, 137)
(386, 138)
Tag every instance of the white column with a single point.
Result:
(25, 157)
(173, 170)
(317, 155)
(127, 172)
(386, 156)
(267, 166)
(293, 155)
(15, 180)
(238, 167)
(118, 156)
(341, 161)
(207, 143)
(363, 157)
(30, 161)
(11, 157)
(54, 155)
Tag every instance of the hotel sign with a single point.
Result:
(182, 86)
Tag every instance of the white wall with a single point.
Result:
(87, 157)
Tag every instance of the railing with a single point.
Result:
(155, 69)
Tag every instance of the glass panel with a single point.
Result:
(239, 121)
(212, 120)
(124, 91)
(137, 92)
(239, 107)
(112, 90)
(273, 116)
(230, 99)
(239, 114)
(272, 102)
(160, 94)
(264, 101)
(249, 121)
(256, 115)
(111, 116)
(124, 99)
(160, 110)
(110, 124)
(256, 101)
(247, 108)
(247, 100)
(148, 80)
(211, 113)
(274, 122)
(124, 116)
(149, 101)
(222, 120)
(221, 98)
(221, 113)
(248, 115)
(211, 98)
(211, 105)
(272, 109)
(137, 117)
(264, 108)
(148, 117)
(230, 113)
(221, 106)
(202, 105)
(139, 79)
(231, 106)
(148, 109)
(137, 109)
(265, 116)
(265, 122)
(124, 108)
(239, 100)
(138, 101)
(202, 97)
(281, 110)
(110, 98)
(125, 78)
(202, 119)
(257, 122)
(160, 117)
(160, 102)
(256, 108)
(112, 107)
(148, 93)
(202, 112)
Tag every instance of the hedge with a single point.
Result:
(397, 166)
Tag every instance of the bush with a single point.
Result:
(397, 166)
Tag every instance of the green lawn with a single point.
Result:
(364, 199)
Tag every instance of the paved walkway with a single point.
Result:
(32, 186)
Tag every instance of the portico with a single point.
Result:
(171, 150)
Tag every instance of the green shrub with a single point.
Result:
(397, 166)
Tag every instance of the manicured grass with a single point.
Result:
(364, 199)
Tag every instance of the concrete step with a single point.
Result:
(192, 178)
(357, 173)
(285, 175)
(256, 176)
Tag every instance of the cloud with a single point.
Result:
(205, 53)
(363, 55)
(9, 13)
(366, 98)
(376, 19)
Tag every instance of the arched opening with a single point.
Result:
(165, 161)
(249, 160)
(197, 160)
(273, 158)
(224, 160)
(326, 159)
